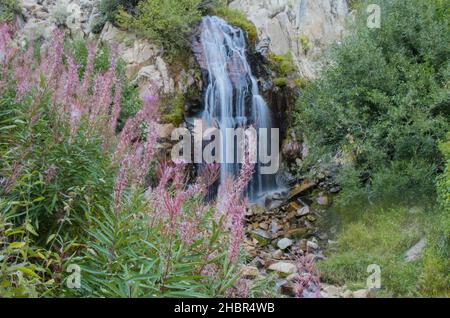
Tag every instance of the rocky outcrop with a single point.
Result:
(40, 17)
(301, 27)
(144, 62)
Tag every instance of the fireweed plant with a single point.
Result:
(77, 191)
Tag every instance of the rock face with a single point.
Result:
(144, 63)
(41, 17)
(302, 27)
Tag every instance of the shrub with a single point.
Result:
(110, 8)
(176, 114)
(8, 8)
(384, 101)
(165, 22)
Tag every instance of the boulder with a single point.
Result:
(283, 268)
(415, 252)
(284, 243)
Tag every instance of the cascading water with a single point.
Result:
(231, 98)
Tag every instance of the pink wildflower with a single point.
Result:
(307, 284)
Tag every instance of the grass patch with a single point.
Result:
(382, 236)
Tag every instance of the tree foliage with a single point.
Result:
(383, 102)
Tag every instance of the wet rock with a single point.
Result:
(284, 243)
(271, 202)
(283, 268)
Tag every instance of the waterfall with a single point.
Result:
(231, 97)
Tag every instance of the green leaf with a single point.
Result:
(17, 245)
(28, 271)
(30, 229)
(39, 199)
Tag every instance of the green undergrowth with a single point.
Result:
(382, 236)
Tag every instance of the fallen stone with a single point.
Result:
(293, 206)
(275, 227)
(284, 243)
(261, 236)
(278, 254)
(249, 272)
(303, 211)
(312, 245)
(322, 199)
(297, 233)
(415, 252)
(283, 268)
(300, 188)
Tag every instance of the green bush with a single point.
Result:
(110, 8)
(8, 8)
(165, 22)
(384, 101)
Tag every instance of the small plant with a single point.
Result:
(304, 42)
(164, 22)
(176, 114)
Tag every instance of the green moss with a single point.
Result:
(176, 113)
(280, 81)
(239, 19)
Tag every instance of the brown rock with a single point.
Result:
(300, 188)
